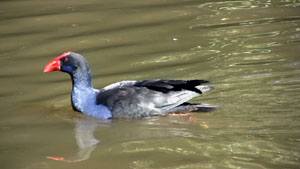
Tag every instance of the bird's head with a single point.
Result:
(69, 62)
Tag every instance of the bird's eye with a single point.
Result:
(64, 59)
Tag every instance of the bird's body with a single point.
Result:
(127, 99)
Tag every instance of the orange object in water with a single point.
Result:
(58, 158)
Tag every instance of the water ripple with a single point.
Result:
(245, 23)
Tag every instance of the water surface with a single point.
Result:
(249, 50)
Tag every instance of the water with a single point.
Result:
(249, 50)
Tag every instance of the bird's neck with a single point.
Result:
(83, 92)
(82, 80)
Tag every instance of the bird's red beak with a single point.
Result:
(54, 64)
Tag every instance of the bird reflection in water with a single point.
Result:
(86, 126)
(85, 139)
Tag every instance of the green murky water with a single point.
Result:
(249, 50)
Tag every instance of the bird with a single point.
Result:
(130, 98)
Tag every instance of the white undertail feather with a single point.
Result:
(204, 89)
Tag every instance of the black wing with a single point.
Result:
(167, 86)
